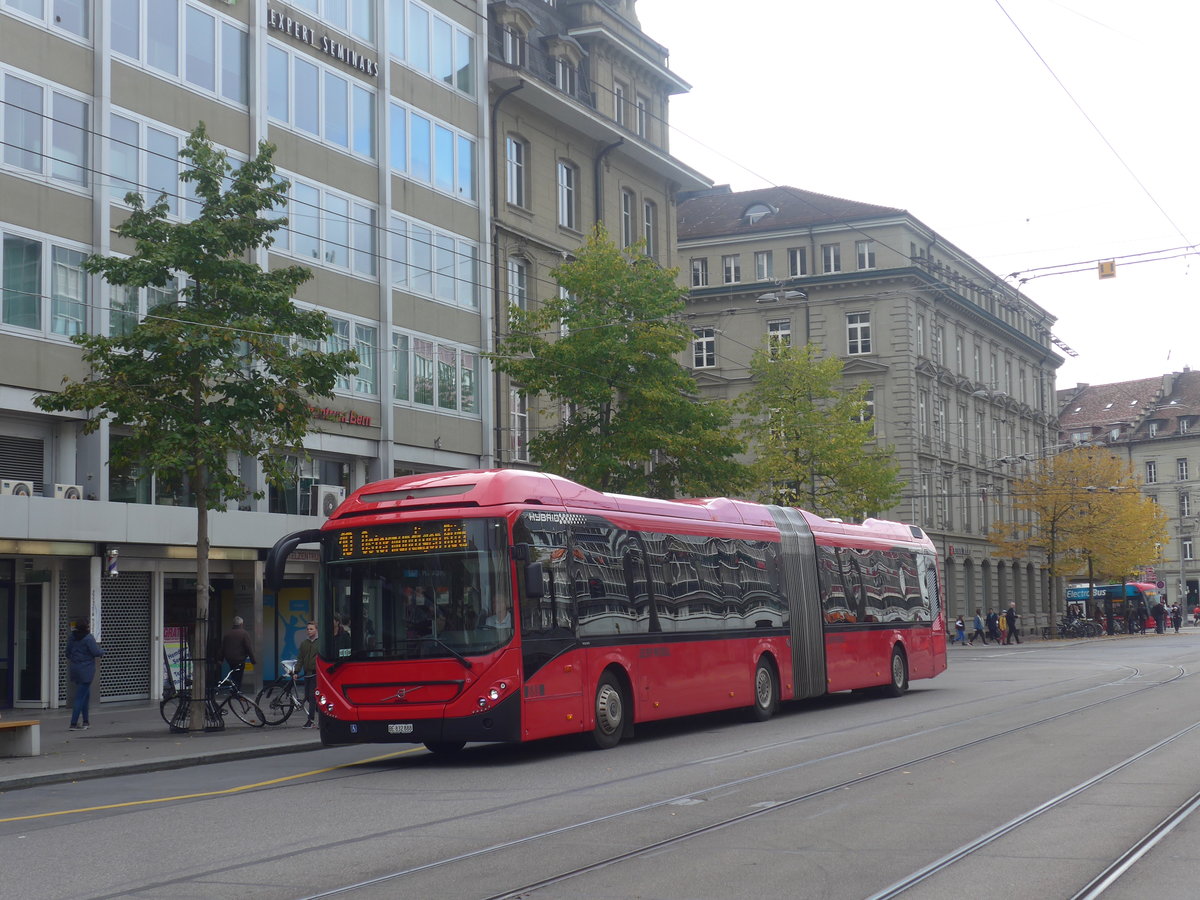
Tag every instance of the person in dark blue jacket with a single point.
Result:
(82, 651)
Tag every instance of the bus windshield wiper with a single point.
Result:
(462, 659)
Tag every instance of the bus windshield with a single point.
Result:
(417, 590)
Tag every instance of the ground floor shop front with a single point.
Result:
(143, 612)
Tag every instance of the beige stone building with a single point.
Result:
(1154, 424)
(579, 101)
(961, 365)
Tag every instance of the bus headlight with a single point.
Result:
(494, 695)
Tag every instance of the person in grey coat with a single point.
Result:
(82, 651)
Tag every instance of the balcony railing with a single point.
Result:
(540, 65)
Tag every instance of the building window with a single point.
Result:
(620, 95)
(32, 271)
(568, 195)
(566, 77)
(519, 431)
(731, 265)
(628, 228)
(44, 131)
(70, 15)
(779, 336)
(514, 46)
(214, 49)
(1151, 472)
(1187, 549)
(700, 272)
(939, 342)
(831, 257)
(322, 103)
(920, 335)
(858, 333)
(704, 348)
(866, 254)
(868, 411)
(518, 282)
(1185, 424)
(354, 17)
(330, 229)
(433, 263)
(427, 373)
(650, 223)
(764, 267)
(1181, 469)
(1152, 429)
(432, 152)
(923, 413)
(516, 152)
(1185, 504)
(430, 44)
(643, 115)
(797, 261)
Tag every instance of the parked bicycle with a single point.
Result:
(225, 694)
(279, 699)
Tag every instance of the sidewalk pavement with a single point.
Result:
(132, 737)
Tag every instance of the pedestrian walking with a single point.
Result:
(960, 631)
(1176, 617)
(82, 651)
(1012, 624)
(236, 649)
(1003, 623)
(977, 624)
(993, 624)
(306, 662)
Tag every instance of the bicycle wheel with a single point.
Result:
(275, 700)
(174, 711)
(246, 710)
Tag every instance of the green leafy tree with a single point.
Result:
(229, 369)
(607, 353)
(812, 440)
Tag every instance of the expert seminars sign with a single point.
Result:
(277, 21)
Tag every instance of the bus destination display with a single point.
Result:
(399, 540)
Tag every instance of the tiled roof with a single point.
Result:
(723, 212)
(1104, 405)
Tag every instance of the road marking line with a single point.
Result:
(231, 790)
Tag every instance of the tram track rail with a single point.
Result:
(654, 847)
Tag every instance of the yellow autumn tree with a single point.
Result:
(1084, 510)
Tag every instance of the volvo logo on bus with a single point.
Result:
(400, 728)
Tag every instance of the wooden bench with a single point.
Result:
(20, 738)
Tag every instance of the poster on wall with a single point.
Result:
(174, 648)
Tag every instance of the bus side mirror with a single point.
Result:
(533, 581)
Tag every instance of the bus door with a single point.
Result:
(553, 672)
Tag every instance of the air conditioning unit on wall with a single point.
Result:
(19, 488)
(68, 492)
(326, 498)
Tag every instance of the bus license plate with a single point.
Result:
(402, 728)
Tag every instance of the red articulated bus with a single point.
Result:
(508, 605)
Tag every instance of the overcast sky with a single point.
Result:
(953, 110)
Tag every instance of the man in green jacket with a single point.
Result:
(306, 662)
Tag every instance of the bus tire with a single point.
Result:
(445, 749)
(611, 709)
(766, 691)
(899, 683)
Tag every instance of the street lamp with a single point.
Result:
(783, 295)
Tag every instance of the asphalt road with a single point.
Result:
(1022, 771)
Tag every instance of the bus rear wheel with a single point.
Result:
(899, 683)
(766, 691)
(610, 714)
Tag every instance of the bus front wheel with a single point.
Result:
(899, 683)
(610, 714)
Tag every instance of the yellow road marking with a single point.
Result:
(232, 790)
